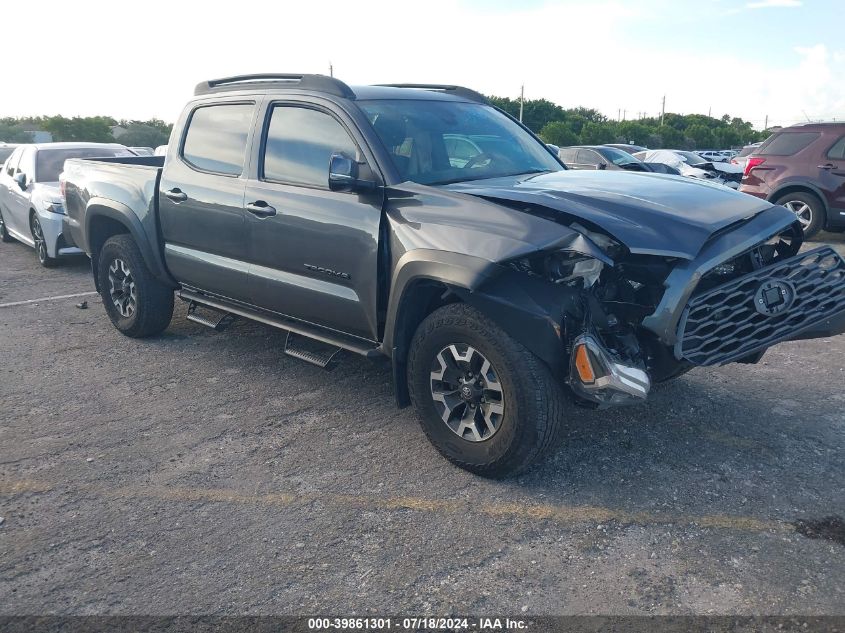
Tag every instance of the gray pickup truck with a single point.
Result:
(421, 224)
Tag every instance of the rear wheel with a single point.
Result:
(807, 208)
(137, 303)
(40, 243)
(4, 232)
(484, 401)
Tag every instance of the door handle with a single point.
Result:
(177, 195)
(261, 209)
(827, 166)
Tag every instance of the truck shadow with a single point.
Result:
(740, 440)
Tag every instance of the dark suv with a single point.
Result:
(802, 168)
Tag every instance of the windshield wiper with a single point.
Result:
(532, 172)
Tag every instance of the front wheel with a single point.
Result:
(137, 303)
(41, 243)
(484, 401)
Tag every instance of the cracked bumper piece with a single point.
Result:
(596, 376)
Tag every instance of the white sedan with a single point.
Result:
(31, 207)
(692, 165)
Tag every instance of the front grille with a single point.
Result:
(762, 308)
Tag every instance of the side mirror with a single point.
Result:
(601, 166)
(20, 179)
(343, 173)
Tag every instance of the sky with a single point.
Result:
(775, 61)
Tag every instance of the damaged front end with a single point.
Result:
(581, 310)
(613, 324)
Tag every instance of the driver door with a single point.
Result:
(313, 252)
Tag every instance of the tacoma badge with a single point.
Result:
(327, 271)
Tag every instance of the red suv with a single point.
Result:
(802, 168)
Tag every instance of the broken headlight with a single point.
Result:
(563, 267)
(566, 267)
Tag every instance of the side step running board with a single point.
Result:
(319, 336)
(311, 351)
(225, 319)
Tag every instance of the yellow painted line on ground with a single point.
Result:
(23, 485)
(558, 513)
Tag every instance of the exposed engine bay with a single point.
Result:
(613, 357)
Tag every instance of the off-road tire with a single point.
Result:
(534, 402)
(154, 302)
(818, 218)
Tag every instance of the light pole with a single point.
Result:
(521, 101)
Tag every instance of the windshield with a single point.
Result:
(691, 158)
(49, 163)
(617, 156)
(438, 142)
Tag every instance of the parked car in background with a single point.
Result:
(31, 207)
(6, 150)
(802, 168)
(712, 156)
(142, 151)
(599, 157)
(742, 156)
(626, 147)
(499, 285)
(692, 165)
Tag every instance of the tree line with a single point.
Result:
(95, 129)
(587, 126)
(554, 124)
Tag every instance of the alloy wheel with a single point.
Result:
(802, 210)
(122, 289)
(466, 390)
(40, 242)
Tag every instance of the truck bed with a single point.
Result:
(125, 183)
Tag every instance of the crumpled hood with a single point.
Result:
(649, 213)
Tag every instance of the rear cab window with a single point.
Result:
(787, 143)
(216, 136)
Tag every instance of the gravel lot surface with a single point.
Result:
(209, 473)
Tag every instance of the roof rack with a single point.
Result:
(809, 123)
(458, 91)
(317, 83)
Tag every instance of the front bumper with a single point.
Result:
(799, 298)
